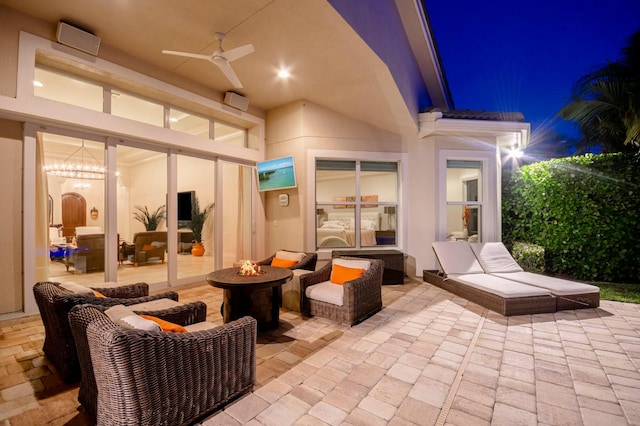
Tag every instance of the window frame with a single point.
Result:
(358, 156)
(488, 228)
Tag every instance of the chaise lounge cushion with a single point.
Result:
(495, 258)
(504, 288)
(457, 258)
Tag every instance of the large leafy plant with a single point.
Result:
(582, 210)
(198, 217)
(150, 220)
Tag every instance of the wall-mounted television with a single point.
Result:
(185, 204)
(278, 173)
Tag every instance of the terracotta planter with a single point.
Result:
(197, 249)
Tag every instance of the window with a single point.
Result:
(464, 201)
(68, 89)
(356, 203)
(73, 90)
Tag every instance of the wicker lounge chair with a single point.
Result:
(361, 297)
(462, 275)
(496, 260)
(306, 261)
(153, 377)
(290, 291)
(54, 304)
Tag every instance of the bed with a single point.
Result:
(338, 230)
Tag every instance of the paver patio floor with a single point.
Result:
(428, 358)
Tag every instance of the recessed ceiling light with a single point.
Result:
(283, 73)
(37, 83)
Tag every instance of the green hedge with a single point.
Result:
(582, 210)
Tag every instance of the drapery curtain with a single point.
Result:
(240, 209)
(42, 213)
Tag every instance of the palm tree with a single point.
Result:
(606, 104)
(148, 219)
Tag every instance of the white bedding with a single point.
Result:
(340, 225)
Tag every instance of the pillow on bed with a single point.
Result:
(367, 224)
(331, 225)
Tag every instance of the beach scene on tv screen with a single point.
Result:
(278, 173)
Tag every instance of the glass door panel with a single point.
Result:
(74, 173)
(141, 217)
(196, 182)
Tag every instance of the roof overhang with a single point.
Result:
(508, 134)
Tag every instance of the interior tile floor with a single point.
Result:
(428, 358)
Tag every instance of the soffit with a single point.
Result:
(329, 63)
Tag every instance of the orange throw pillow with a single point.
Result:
(341, 274)
(283, 263)
(165, 325)
(98, 294)
(148, 247)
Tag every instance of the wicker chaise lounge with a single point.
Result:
(54, 304)
(462, 275)
(156, 377)
(496, 260)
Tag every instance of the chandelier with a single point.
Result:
(79, 165)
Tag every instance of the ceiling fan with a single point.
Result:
(221, 58)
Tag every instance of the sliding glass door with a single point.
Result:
(195, 216)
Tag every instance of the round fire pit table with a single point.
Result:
(254, 295)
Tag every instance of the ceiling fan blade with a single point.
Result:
(231, 75)
(185, 54)
(238, 52)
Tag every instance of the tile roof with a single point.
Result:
(468, 114)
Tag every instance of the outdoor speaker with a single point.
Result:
(77, 38)
(236, 101)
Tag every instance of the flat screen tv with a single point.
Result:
(185, 202)
(278, 173)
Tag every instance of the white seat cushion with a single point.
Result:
(495, 258)
(456, 258)
(289, 255)
(200, 326)
(326, 292)
(87, 230)
(125, 317)
(557, 286)
(77, 288)
(504, 288)
(155, 305)
(350, 263)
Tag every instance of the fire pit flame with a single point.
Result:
(248, 268)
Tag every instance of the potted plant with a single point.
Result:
(198, 217)
(148, 219)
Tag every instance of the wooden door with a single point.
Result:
(74, 213)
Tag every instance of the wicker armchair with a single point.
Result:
(362, 297)
(308, 262)
(153, 377)
(79, 318)
(54, 304)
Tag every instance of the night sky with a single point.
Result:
(515, 55)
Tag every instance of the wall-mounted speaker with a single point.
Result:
(77, 38)
(236, 101)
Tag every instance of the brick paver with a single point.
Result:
(427, 358)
